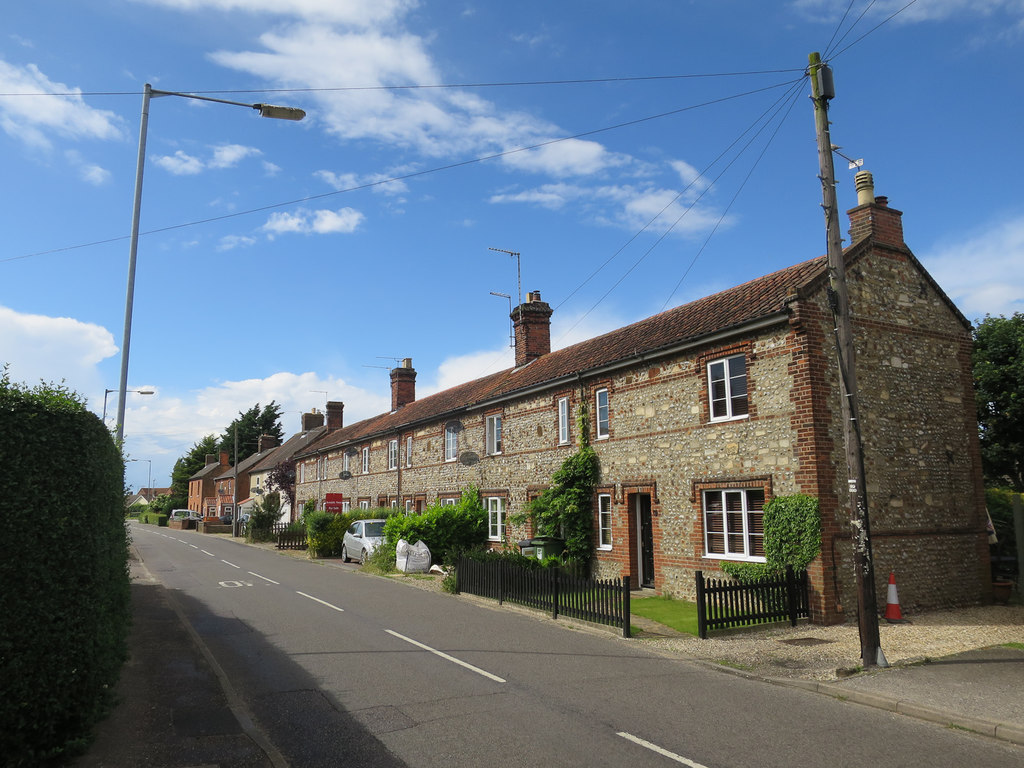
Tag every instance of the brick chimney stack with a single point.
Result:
(403, 384)
(266, 442)
(335, 415)
(312, 420)
(532, 322)
(873, 217)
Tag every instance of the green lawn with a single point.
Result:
(678, 614)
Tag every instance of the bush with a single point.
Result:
(153, 518)
(792, 537)
(265, 513)
(63, 640)
(999, 502)
(446, 530)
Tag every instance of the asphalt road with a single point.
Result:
(337, 668)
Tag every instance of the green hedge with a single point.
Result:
(153, 518)
(325, 531)
(446, 530)
(64, 583)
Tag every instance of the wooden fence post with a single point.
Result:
(702, 618)
(625, 606)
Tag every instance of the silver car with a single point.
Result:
(361, 538)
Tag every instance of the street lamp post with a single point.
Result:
(108, 391)
(265, 110)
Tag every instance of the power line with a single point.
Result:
(882, 23)
(407, 176)
(435, 86)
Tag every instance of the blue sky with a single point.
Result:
(283, 261)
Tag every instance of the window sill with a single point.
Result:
(605, 548)
(725, 419)
(734, 558)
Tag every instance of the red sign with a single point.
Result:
(332, 502)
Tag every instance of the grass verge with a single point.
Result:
(677, 614)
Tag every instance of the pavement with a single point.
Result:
(177, 709)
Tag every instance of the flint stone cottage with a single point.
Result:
(701, 414)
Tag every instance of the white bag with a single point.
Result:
(412, 558)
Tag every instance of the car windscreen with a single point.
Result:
(375, 528)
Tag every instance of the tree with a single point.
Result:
(250, 425)
(185, 467)
(998, 363)
(282, 478)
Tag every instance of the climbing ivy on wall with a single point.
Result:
(566, 508)
(792, 536)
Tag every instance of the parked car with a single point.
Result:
(180, 514)
(226, 519)
(362, 537)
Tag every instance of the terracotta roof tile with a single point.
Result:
(746, 303)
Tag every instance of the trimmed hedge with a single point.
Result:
(64, 582)
(446, 530)
(153, 518)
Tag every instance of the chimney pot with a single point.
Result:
(873, 217)
(335, 415)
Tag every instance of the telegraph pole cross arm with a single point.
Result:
(822, 91)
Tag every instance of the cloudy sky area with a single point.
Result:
(637, 155)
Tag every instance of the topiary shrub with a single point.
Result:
(792, 537)
(65, 599)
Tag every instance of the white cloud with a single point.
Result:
(180, 163)
(572, 157)
(38, 347)
(379, 182)
(270, 168)
(32, 119)
(228, 155)
(319, 222)
(359, 13)
(230, 242)
(94, 174)
(983, 273)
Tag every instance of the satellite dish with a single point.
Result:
(455, 425)
(351, 452)
(468, 458)
(346, 475)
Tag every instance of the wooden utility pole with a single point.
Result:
(867, 607)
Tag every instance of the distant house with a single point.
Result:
(701, 414)
(312, 429)
(202, 495)
(146, 495)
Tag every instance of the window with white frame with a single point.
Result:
(345, 462)
(302, 472)
(408, 506)
(448, 502)
(495, 518)
(346, 506)
(604, 520)
(451, 442)
(563, 420)
(394, 503)
(364, 504)
(393, 454)
(321, 466)
(408, 451)
(734, 523)
(366, 460)
(727, 388)
(601, 413)
(494, 434)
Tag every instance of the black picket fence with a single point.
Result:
(289, 538)
(547, 589)
(724, 603)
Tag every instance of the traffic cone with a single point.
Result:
(893, 615)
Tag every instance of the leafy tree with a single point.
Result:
(998, 363)
(265, 513)
(185, 467)
(250, 425)
(282, 478)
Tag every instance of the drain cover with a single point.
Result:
(806, 641)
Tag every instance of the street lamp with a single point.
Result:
(265, 110)
(108, 391)
(150, 486)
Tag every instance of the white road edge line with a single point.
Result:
(317, 599)
(232, 564)
(193, 546)
(445, 656)
(659, 750)
(264, 578)
(207, 553)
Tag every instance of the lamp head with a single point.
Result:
(279, 113)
